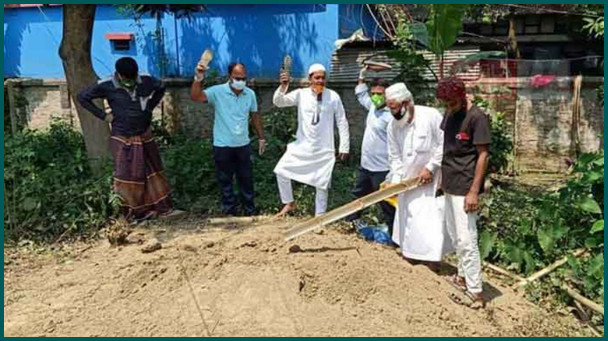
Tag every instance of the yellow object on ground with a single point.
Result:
(392, 200)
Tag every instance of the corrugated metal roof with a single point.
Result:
(346, 63)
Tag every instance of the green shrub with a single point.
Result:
(191, 170)
(49, 189)
(51, 192)
(501, 149)
(527, 229)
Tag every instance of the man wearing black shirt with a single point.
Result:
(138, 171)
(465, 160)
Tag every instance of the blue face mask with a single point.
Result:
(238, 85)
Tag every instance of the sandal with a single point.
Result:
(457, 283)
(472, 301)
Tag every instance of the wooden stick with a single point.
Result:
(594, 330)
(502, 271)
(576, 113)
(584, 317)
(235, 220)
(583, 300)
(550, 268)
(7, 209)
(350, 208)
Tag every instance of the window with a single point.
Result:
(120, 41)
(121, 45)
(532, 24)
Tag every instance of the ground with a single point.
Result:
(246, 281)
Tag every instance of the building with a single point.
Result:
(536, 92)
(257, 35)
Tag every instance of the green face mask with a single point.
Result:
(129, 84)
(378, 100)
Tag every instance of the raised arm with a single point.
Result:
(361, 91)
(196, 90)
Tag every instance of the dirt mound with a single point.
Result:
(248, 282)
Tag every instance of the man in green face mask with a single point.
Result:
(374, 150)
(139, 177)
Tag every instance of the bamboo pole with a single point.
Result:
(550, 268)
(583, 300)
(350, 208)
(576, 115)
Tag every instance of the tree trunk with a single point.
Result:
(75, 53)
(513, 38)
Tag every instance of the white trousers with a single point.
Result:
(286, 192)
(462, 228)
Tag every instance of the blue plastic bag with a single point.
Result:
(377, 234)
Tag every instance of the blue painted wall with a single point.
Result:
(257, 35)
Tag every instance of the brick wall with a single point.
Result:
(541, 117)
(543, 124)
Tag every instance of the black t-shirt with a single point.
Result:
(463, 131)
(132, 111)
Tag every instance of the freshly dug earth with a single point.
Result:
(246, 281)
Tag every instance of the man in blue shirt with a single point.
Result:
(234, 104)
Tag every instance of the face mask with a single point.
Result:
(238, 85)
(400, 114)
(378, 100)
(127, 83)
(318, 88)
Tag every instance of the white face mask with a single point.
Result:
(238, 85)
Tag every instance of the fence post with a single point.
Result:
(10, 87)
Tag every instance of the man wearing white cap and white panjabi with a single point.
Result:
(310, 159)
(415, 143)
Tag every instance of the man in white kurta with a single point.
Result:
(310, 159)
(415, 143)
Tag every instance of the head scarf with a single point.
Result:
(451, 88)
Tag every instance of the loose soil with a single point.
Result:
(246, 281)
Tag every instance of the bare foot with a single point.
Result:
(286, 209)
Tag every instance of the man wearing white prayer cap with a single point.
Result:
(310, 159)
(415, 143)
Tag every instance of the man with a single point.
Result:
(139, 178)
(234, 104)
(311, 158)
(465, 160)
(415, 143)
(374, 148)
